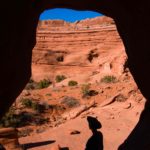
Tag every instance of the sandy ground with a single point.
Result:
(117, 119)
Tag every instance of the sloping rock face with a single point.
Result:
(9, 138)
(91, 47)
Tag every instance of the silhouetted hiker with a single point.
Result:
(95, 142)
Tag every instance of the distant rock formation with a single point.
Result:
(85, 47)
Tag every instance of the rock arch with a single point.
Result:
(17, 39)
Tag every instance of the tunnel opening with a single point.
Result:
(122, 15)
(74, 64)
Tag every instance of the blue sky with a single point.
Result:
(67, 15)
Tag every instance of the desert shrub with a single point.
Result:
(40, 120)
(39, 108)
(60, 78)
(70, 102)
(86, 92)
(25, 132)
(27, 103)
(31, 85)
(38, 85)
(85, 89)
(11, 119)
(72, 83)
(33, 118)
(44, 83)
(109, 79)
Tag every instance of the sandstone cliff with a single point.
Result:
(84, 50)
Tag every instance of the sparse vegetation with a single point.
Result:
(39, 120)
(38, 85)
(31, 85)
(13, 119)
(27, 103)
(109, 79)
(85, 89)
(70, 102)
(44, 83)
(60, 78)
(72, 83)
(86, 92)
(25, 132)
(39, 108)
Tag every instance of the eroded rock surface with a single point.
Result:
(92, 46)
(9, 139)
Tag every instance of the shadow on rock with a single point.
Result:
(139, 138)
(64, 148)
(95, 142)
(37, 144)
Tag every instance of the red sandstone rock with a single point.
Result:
(64, 48)
(9, 138)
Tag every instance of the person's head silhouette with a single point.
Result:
(95, 142)
(94, 124)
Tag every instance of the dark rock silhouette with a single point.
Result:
(32, 145)
(18, 35)
(140, 137)
(96, 140)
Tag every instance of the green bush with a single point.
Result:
(86, 92)
(31, 85)
(85, 89)
(38, 85)
(60, 78)
(39, 108)
(11, 119)
(25, 132)
(27, 103)
(109, 79)
(70, 102)
(72, 83)
(44, 83)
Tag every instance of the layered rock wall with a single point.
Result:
(91, 45)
